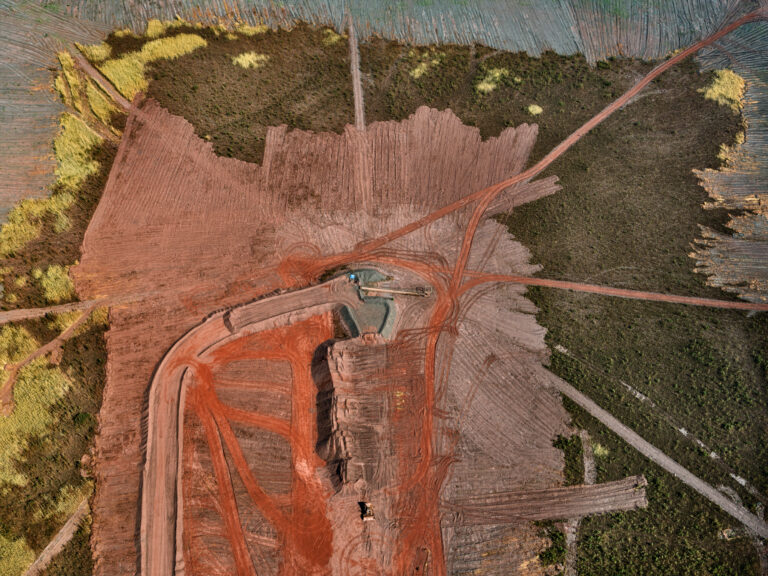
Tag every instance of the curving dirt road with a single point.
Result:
(161, 504)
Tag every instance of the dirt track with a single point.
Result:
(357, 85)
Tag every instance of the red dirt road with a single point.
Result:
(477, 279)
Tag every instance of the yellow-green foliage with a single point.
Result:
(100, 317)
(56, 284)
(72, 147)
(252, 30)
(15, 556)
(101, 106)
(73, 81)
(61, 322)
(491, 80)
(727, 89)
(124, 33)
(62, 505)
(38, 387)
(15, 344)
(330, 37)
(60, 84)
(425, 61)
(127, 72)
(250, 60)
(599, 450)
(23, 225)
(156, 28)
(21, 281)
(11, 298)
(534, 109)
(95, 52)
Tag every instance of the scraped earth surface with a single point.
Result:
(288, 428)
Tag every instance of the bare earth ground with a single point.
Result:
(216, 226)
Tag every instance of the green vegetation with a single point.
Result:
(423, 61)
(157, 28)
(73, 146)
(15, 556)
(37, 389)
(75, 559)
(677, 534)
(247, 30)
(127, 72)
(250, 60)
(56, 284)
(16, 343)
(574, 459)
(727, 89)
(555, 553)
(43, 440)
(73, 90)
(101, 105)
(306, 85)
(74, 164)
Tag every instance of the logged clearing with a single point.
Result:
(453, 403)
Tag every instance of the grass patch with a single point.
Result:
(307, 85)
(72, 147)
(74, 88)
(16, 343)
(38, 387)
(491, 80)
(127, 73)
(727, 89)
(574, 460)
(101, 105)
(95, 52)
(330, 37)
(157, 28)
(423, 62)
(56, 284)
(534, 109)
(248, 30)
(250, 60)
(15, 556)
